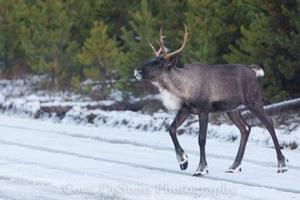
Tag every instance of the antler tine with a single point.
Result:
(161, 35)
(152, 47)
(183, 45)
(162, 46)
(155, 52)
(161, 42)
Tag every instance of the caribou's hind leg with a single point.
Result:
(181, 116)
(202, 167)
(245, 130)
(258, 111)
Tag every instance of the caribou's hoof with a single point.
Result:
(232, 170)
(201, 172)
(183, 161)
(282, 167)
(184, 166)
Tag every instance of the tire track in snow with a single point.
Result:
(66, 170)
(5, 197)
(61, 190)
(142, 145)
(82, 173)
(159, 169)
(71, 171)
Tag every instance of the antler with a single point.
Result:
(163, 48)
(155, 52)
(161, 44)
(183, 45)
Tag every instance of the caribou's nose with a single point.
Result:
(138, 74)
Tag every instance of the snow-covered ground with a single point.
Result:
(46, 160)
(19, 97)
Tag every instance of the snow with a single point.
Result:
(129, 155)
(45, 160)
(18, 97)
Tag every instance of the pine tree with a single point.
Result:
(99, 54)
(210, 30)
(10, 20)
(136, 39)
(272, 40)
(213, 26)
(170, 15)
(46, 40)
(82, 14)
(115, 14)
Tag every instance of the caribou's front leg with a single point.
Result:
(181, 116)
(202, 168)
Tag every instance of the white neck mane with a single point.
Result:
(169, 100)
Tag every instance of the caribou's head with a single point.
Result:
(161, 62)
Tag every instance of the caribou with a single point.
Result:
(201, 89)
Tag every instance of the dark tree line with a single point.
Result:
(73, 40)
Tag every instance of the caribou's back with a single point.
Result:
(219, 88)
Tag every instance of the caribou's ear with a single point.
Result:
(174, 60)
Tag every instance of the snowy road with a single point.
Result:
(43, 160)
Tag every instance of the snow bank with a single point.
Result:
(18, 98)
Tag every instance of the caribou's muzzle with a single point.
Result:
(137, 74)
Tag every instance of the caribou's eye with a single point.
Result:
(161, 59)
